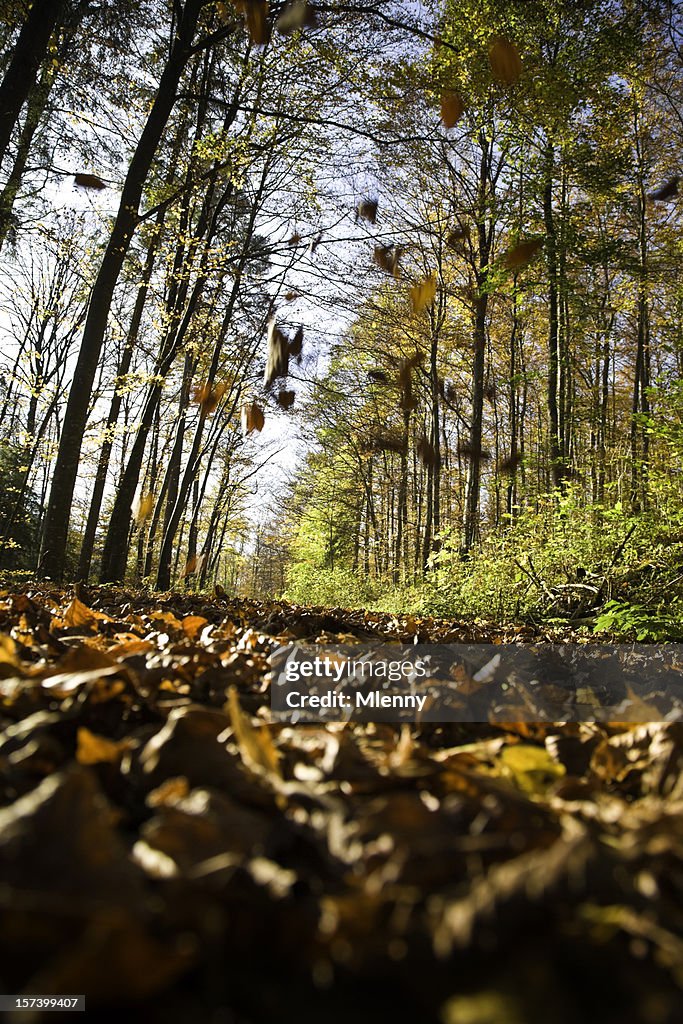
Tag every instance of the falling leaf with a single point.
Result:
(255, 744)
(252, 418)
(389, 443)
(452, 108)
(456, 236)
(315, 242)
(367, 210)
(468, 451)
(291, 296)
(426, 451)
(668, 191)
(297, 342)
(511, 464)
(506, 64)
(294, 239)
(387, 258)
(208, 397)
(89, 181)
(191, 565)
(378, 376)
(142, 508)
(522, 253)
(277, 359)
(286, 399)
(296, 15)
(422, 293)
(256, 16)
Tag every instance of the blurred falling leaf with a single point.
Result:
(252, 418)
(456, 236)
(668, 191)
(389, 443)
(297, 342)
(422, 293)
(296, 15)
(426, 451)
(378, 376)
(286, 399)
(256, 16)
(94, 749)
(290, 296)
(223, 12)
(89, 181)
(511, 464)
(387, 258)
(277, 359)
(142, 508)
(208, 397)
(506, 64)
(193, 564)
(255, 744)
(452, 108)
(367, 210)
(294, 239)
(522, 253)
(468, 451)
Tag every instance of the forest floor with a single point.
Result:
(168, 850)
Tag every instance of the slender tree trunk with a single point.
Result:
(29, 52)
(56, 527)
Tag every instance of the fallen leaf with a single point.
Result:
(94, 749)
(255, 744)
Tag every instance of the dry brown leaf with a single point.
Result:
(193, 624)
(252, 418)
(286, 399)
(256, 746)
(297, 343)
(452, 108)
(522, 253)
(89, 181)
(506, 64)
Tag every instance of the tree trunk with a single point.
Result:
(56, 527)
(29, 52)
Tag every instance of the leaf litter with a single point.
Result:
(165, 845)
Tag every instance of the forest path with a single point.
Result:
(165, 847)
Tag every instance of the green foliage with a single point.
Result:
(635, 621)
(19, 511)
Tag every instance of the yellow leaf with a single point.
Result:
(94, 749)
(144, 508)
(423, 293)
(531, 768)
(506, 64)
(255, 745)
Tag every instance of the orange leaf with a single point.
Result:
(506, 64)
